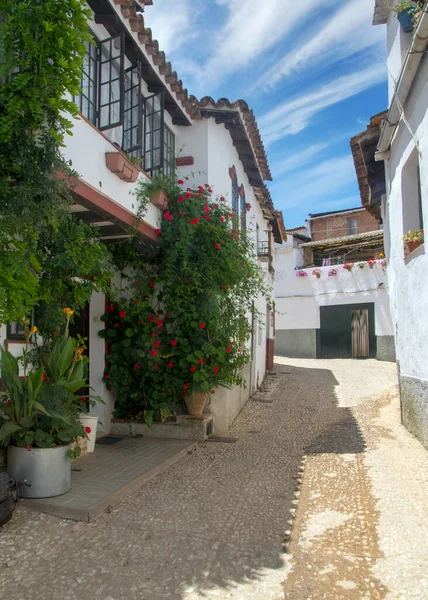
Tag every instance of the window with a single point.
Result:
(169, 151)
(243, 210)
(352, 226)
(329, 228)
(235, 196)
(15, 330)
(87, 101)
(153, 134)
(111, 82)
(412, 194)
(133, 112)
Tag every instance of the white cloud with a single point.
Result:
(297, 160)
(347, 32)
(172, 26)
(291, 117)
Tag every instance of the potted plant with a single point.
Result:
(412, 239)
(361, 265)
(348, 266)
(40, 421)
(405, 11)
(371, 262)
(332, 273)
(317, 273)
(301, 274)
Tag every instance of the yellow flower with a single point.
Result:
(33, 330)
(79, 350)
(68, 312)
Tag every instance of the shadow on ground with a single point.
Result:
(213, 524)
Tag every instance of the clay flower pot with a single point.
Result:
(411, 246)
(195, 403)
(122, 167)
(160, 199)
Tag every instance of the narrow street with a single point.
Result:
(213, 525)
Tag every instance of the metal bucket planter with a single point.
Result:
(46, 470)
(90, 421)
(405, 18)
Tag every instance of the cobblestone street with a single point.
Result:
(213, 525)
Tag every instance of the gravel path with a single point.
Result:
(212, 526)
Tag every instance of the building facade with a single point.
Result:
(341, 223)
(402, 146)
(135, 116)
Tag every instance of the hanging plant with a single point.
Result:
(332, 273)
(317, 273)
(348, 266)
(301, 274)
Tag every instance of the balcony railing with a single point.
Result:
(263, 249)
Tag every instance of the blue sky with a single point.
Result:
(313, 71)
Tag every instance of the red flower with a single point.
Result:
(170, 365)
(110, 308)
(106, 376)
(44, 378)
(181, 198)
(200, 361)
(235, 231)
(136, 303)
(185, 387)
(221, 219)
(182, 213)
(8, 401)
(151, 284)
(180, 182)
(153, 334)
(157, 231)
(207, 185)
(117, 324)
(217, 246)
(83, 399)
(201, 325)
(136, 282)
(154, 352)
(151, 319)
(88, 429)
(174, 342)
(216, 205)
(222, 198)
(111, 391)
(156, 344)
(156, 367)
(29, 448)
(207, 209)
(194, 221)
(232, 343)
(223, 287)
(122, 314)
(159, 323)
(212, 392)
(206, 217)
(231, 215)
(228, 349)
(168, 216)
(137, 367)
(166, 315)
(189, 194)
(192, 369)
(216, 369)
(239, 349)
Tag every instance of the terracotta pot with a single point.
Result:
(195, 403)
(410, 246)
(160, 199)
(122, 167)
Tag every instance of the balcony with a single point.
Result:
(264, 251)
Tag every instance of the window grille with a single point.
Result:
(154, 134)
(133, 118)
(169, 151)
(243, 215)
(87, 101)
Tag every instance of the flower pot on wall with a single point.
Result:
(411, 246)
(91, 422)
(405, 18)
(122, 167)
(47, 471)
(160, 199)
(195, 403)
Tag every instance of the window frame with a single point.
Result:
(137, 148)
(353, 220)
(110, 124)
(79, 99)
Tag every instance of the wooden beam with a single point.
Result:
(104, 19)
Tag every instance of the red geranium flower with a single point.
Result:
(153, 334)
(182, 213)
(157, 231)
(44, 376)
(201, 325)
(207, 209)
(137, 367)
(159, 323)
(166, 315)
(200, 361)
(216, 369)
(156, 344)
(174, 342)
(180, 182)
(192, 369)
(228, 349)
(222, 198)
(206, 217)
(117, 324)
(88, 429)
(151, 284)
(217, 246)
(110, 308)
(122, 314)
(212, 392)
(221, 219)
(216, 205)
(207, 185)
(151, 319)
(106, 376)
(170, 365)
(83, 399)
(168, 216)
(189, 194)
(194, 221)
(239, 349)
(156, 367)
(136, 282)
(154, 352)
(235, 231)
(185, 387)
(223, 287)
(181, 198)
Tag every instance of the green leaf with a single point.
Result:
(8, 429)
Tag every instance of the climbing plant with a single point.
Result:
(44, 257)
(182, 324)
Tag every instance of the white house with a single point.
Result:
(133, 102)
(330, 311)
(403, 146)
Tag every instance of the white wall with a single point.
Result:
(408, 279)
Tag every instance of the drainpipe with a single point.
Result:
(411, 64)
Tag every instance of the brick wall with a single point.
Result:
(332, 226)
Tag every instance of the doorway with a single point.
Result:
(360, 333)
(347, 331)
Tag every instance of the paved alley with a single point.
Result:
(213, 525)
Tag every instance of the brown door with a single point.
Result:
(360, 333)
